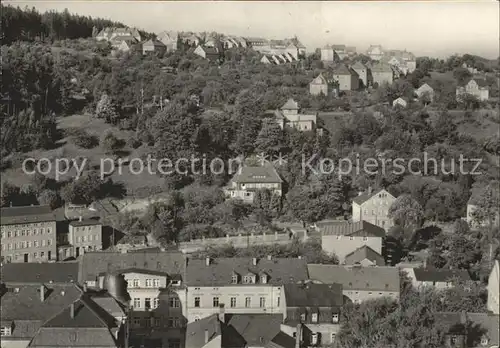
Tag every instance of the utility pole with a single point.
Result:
(142, 99)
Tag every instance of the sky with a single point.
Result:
(427, 28)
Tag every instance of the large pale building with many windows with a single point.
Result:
(28, 234)
(242, 285)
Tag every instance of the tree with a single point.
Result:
(406, 212)
(270, 139)
(110, 143)
(10, 194)
(50, 198)
(106, 110)
(307, 203)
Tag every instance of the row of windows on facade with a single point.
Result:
(23, 233)
(36, 255)
(6, 331)
(233, 303)
(32, 225)
(85, 239)
(149, 283)
(26, 244)
(314, 317)
(172, 322)
(85, 228)
(155, 302)
(352, 238)
(315, 337)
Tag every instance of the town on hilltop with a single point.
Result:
(206, 190)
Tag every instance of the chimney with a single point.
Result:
(254, 261)
(207, 261)
(206, 336)
(72, 311)
(222, 313)
(298, 336)
(42, 293)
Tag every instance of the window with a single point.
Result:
(365, 239)
(173, 343)
(43, 242)
(48, 230)
(314, 338)
(233, 302)
(484, 341)
(197, 302)
(149, 283)
(174, 302)
(137, 302)
(137, 321)
(156, 302)
(234, 279)
(351, 238)
(49, 242)
(263, 279)
(303, 317)
(333, 334)
(215, 302)
(174, 322)
(84, 239)
(157, 322)
(147, 303)
(135, 283)
(35, 255)
(335, 318)
(248, 302)
(248, 279)
(156, 283)
(6, 331)
(8, 234)
(262, 302)
(96, 237)
(278, 301)
(314, 317)
(28, 244)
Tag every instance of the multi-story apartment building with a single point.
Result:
(250, 179)
(85, 235)
(28, 234)
(342, 238)
(359, 283)
(347, 78)
(155, 285)
(493, 303)
(243, 285)
(373, 206)
(382, 73)
(316, 307)
(56, 273)
(363, 72)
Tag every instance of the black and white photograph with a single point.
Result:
(250, 174)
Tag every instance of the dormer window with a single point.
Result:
(484, 341)
(234, 279)
(6, 331)
(303, 317)
(263, 278)
(314, 317)
(249, 279)
(335, 318)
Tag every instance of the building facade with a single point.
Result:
(347, 79)
(85, 235)
(373, 207)
(250, 179)
(242, 285)
(319, 85)
(382, 73)
(493, 303)
(28, 234)
(477, 87)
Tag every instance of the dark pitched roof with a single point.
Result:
(143, 271)
(380, 67)
(94, 263)
(281, 340)
(358, 65)
(356, 229)
(220, 271)
(27, 214)
(313, 295)
(356, 277)
(342, 69)
(75, 337)
(365, 196)
(255, 329)
(195, 331)
(257, 174)
(362, 253)
(440, 275)
(26, 309)
(85, 222)
(37, 273)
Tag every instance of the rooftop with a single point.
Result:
(85, 222)
(92, 264)
(37, 273)
(440, 275)
(26, 214)
(362, 253)
(356, 277)
(362, 198)
(257, 174)
(290, 105)
(313, 295)
(356, 229)
(220, 271)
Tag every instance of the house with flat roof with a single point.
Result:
(359, 283)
